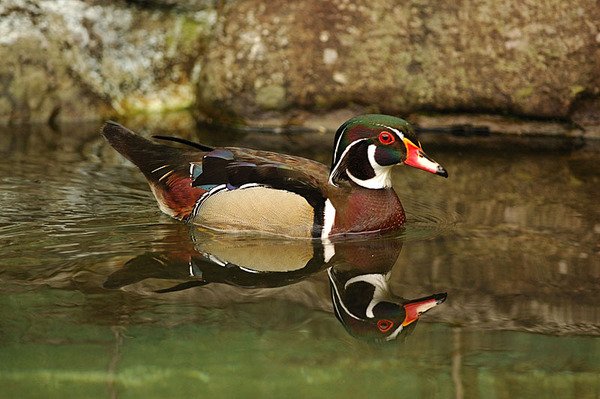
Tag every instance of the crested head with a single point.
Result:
(368, 126)
(367, 146)
(368, 309)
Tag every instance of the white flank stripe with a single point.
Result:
(204, 197)
(248, 270)
(250, 185)
(216, 260)
(328, 250)
(328, 221)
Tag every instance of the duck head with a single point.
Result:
(366, 148)
(367, 309)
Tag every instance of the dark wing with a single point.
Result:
(233, 169)
(181, 178)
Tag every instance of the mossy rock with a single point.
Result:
(485, 56)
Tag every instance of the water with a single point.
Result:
(512, 237)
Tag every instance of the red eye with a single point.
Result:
(385, 325)
(386, 138)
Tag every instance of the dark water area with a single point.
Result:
(101, 295)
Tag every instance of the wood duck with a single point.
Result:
(245, 190)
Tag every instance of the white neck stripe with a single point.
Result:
(337, 145)
(337, 294)
(395, 333)
(341, 158)
(382, 178)
(379, 281)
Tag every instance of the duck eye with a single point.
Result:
(384, 325)
(386, 138)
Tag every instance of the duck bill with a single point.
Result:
(418, 159)
(417, 307)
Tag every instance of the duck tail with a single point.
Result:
(166, 168)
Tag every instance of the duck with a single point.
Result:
(242, 190)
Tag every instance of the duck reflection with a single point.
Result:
(362, 298)
(248, 263)
(358, 273)
(364, 304)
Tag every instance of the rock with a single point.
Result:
(77, 60)
(302, 63)
(586, 114)
(510, 57)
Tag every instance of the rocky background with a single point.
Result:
(305, 63)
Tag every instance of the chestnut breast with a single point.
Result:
(365, 210)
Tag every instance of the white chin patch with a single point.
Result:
(383, 174)
(395, 333)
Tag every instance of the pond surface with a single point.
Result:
(101, 295)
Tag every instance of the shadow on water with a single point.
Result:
(511, 236)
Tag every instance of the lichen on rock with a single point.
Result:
(484, 56)
(77, 60)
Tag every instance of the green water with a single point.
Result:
(511, 236)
